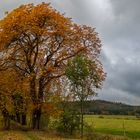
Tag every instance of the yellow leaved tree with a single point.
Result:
(36, 41)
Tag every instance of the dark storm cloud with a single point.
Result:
(123, 52)
(117, 22)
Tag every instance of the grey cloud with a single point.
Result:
(123, 80)
(117, 22)
(10, 5)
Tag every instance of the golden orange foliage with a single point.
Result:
(35, 43)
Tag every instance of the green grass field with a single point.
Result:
(115, 125)
(103, 128)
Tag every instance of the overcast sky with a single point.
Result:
(117, 22)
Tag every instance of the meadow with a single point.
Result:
(103, 127)
(128, 126)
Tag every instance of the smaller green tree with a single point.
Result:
(85, 76)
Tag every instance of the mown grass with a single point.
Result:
(115, 125)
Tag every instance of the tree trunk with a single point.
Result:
(82, 123)
(40, 101)
(6, 122)
(18, 118)
(34, 100)
(24, 121)
(33, 90)
(36, 118)
(6, 118)
(37, 101)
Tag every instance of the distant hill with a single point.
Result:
(112, 108)
(107, 107)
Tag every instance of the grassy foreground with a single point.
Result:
(115, 125)
(104, 128)
(42, 135)
(29, 135)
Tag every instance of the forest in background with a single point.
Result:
(102, 107)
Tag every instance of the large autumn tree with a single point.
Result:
(36, 41)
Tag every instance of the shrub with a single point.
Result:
(68, 123)
(101, 117)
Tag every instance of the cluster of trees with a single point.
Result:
(109, 108)
(40, 50)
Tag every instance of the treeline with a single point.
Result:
(99, 107)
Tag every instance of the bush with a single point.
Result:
(45, 120)
(101, 117)
(69, 122)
